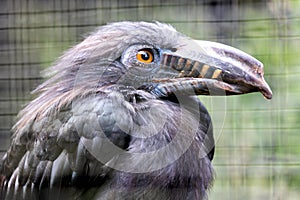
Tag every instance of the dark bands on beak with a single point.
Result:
(190, 68)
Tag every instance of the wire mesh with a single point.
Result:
(258, 141)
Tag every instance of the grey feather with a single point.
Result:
(93, 117)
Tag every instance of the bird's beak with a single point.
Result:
(212, 68)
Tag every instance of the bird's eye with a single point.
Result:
(145, 55)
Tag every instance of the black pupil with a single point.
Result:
(145, 55)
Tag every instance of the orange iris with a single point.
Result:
(145, 56)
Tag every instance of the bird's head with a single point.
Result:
(153, 57)
(156, 58)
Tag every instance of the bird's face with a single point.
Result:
(153, 57)
(181, 64)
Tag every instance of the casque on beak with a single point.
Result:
(211, 68)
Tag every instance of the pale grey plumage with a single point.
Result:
(82, 137)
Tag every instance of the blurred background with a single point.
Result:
(258, 141)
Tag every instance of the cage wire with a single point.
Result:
(257, 144)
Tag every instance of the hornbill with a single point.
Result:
(119, 117)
